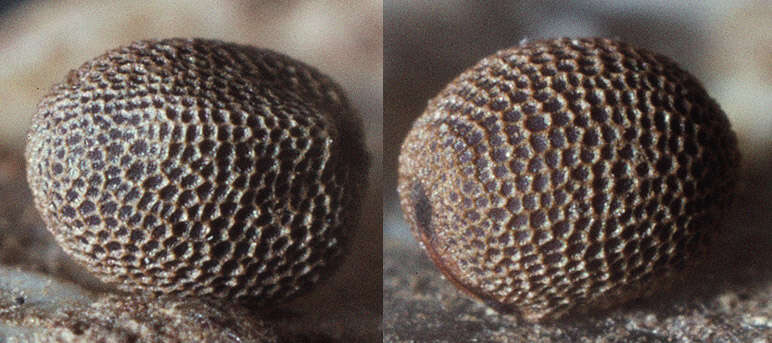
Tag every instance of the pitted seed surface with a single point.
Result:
(568, 174)
(198, 167)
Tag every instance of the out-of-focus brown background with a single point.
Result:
(725, 44)
(40, 41)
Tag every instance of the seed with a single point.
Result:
(567, 175)
(200, 168)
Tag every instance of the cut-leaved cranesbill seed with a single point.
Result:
(567, 174)
(199, 168)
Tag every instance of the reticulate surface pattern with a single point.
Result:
(568, 174)
(198, 167)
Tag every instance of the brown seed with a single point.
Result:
(198, 167)
(568, 174)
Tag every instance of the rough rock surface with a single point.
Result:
(36, 308)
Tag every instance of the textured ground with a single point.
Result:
(36, 308)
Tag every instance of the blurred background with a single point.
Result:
(40, 41)
(725, 44)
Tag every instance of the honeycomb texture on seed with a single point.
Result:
(198, 167)
(567, 174)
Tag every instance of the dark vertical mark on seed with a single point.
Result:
(423, 210)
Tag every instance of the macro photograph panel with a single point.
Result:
(190, 171)
(577, 171)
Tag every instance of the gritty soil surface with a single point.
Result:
(122, 318)
(724, 299)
